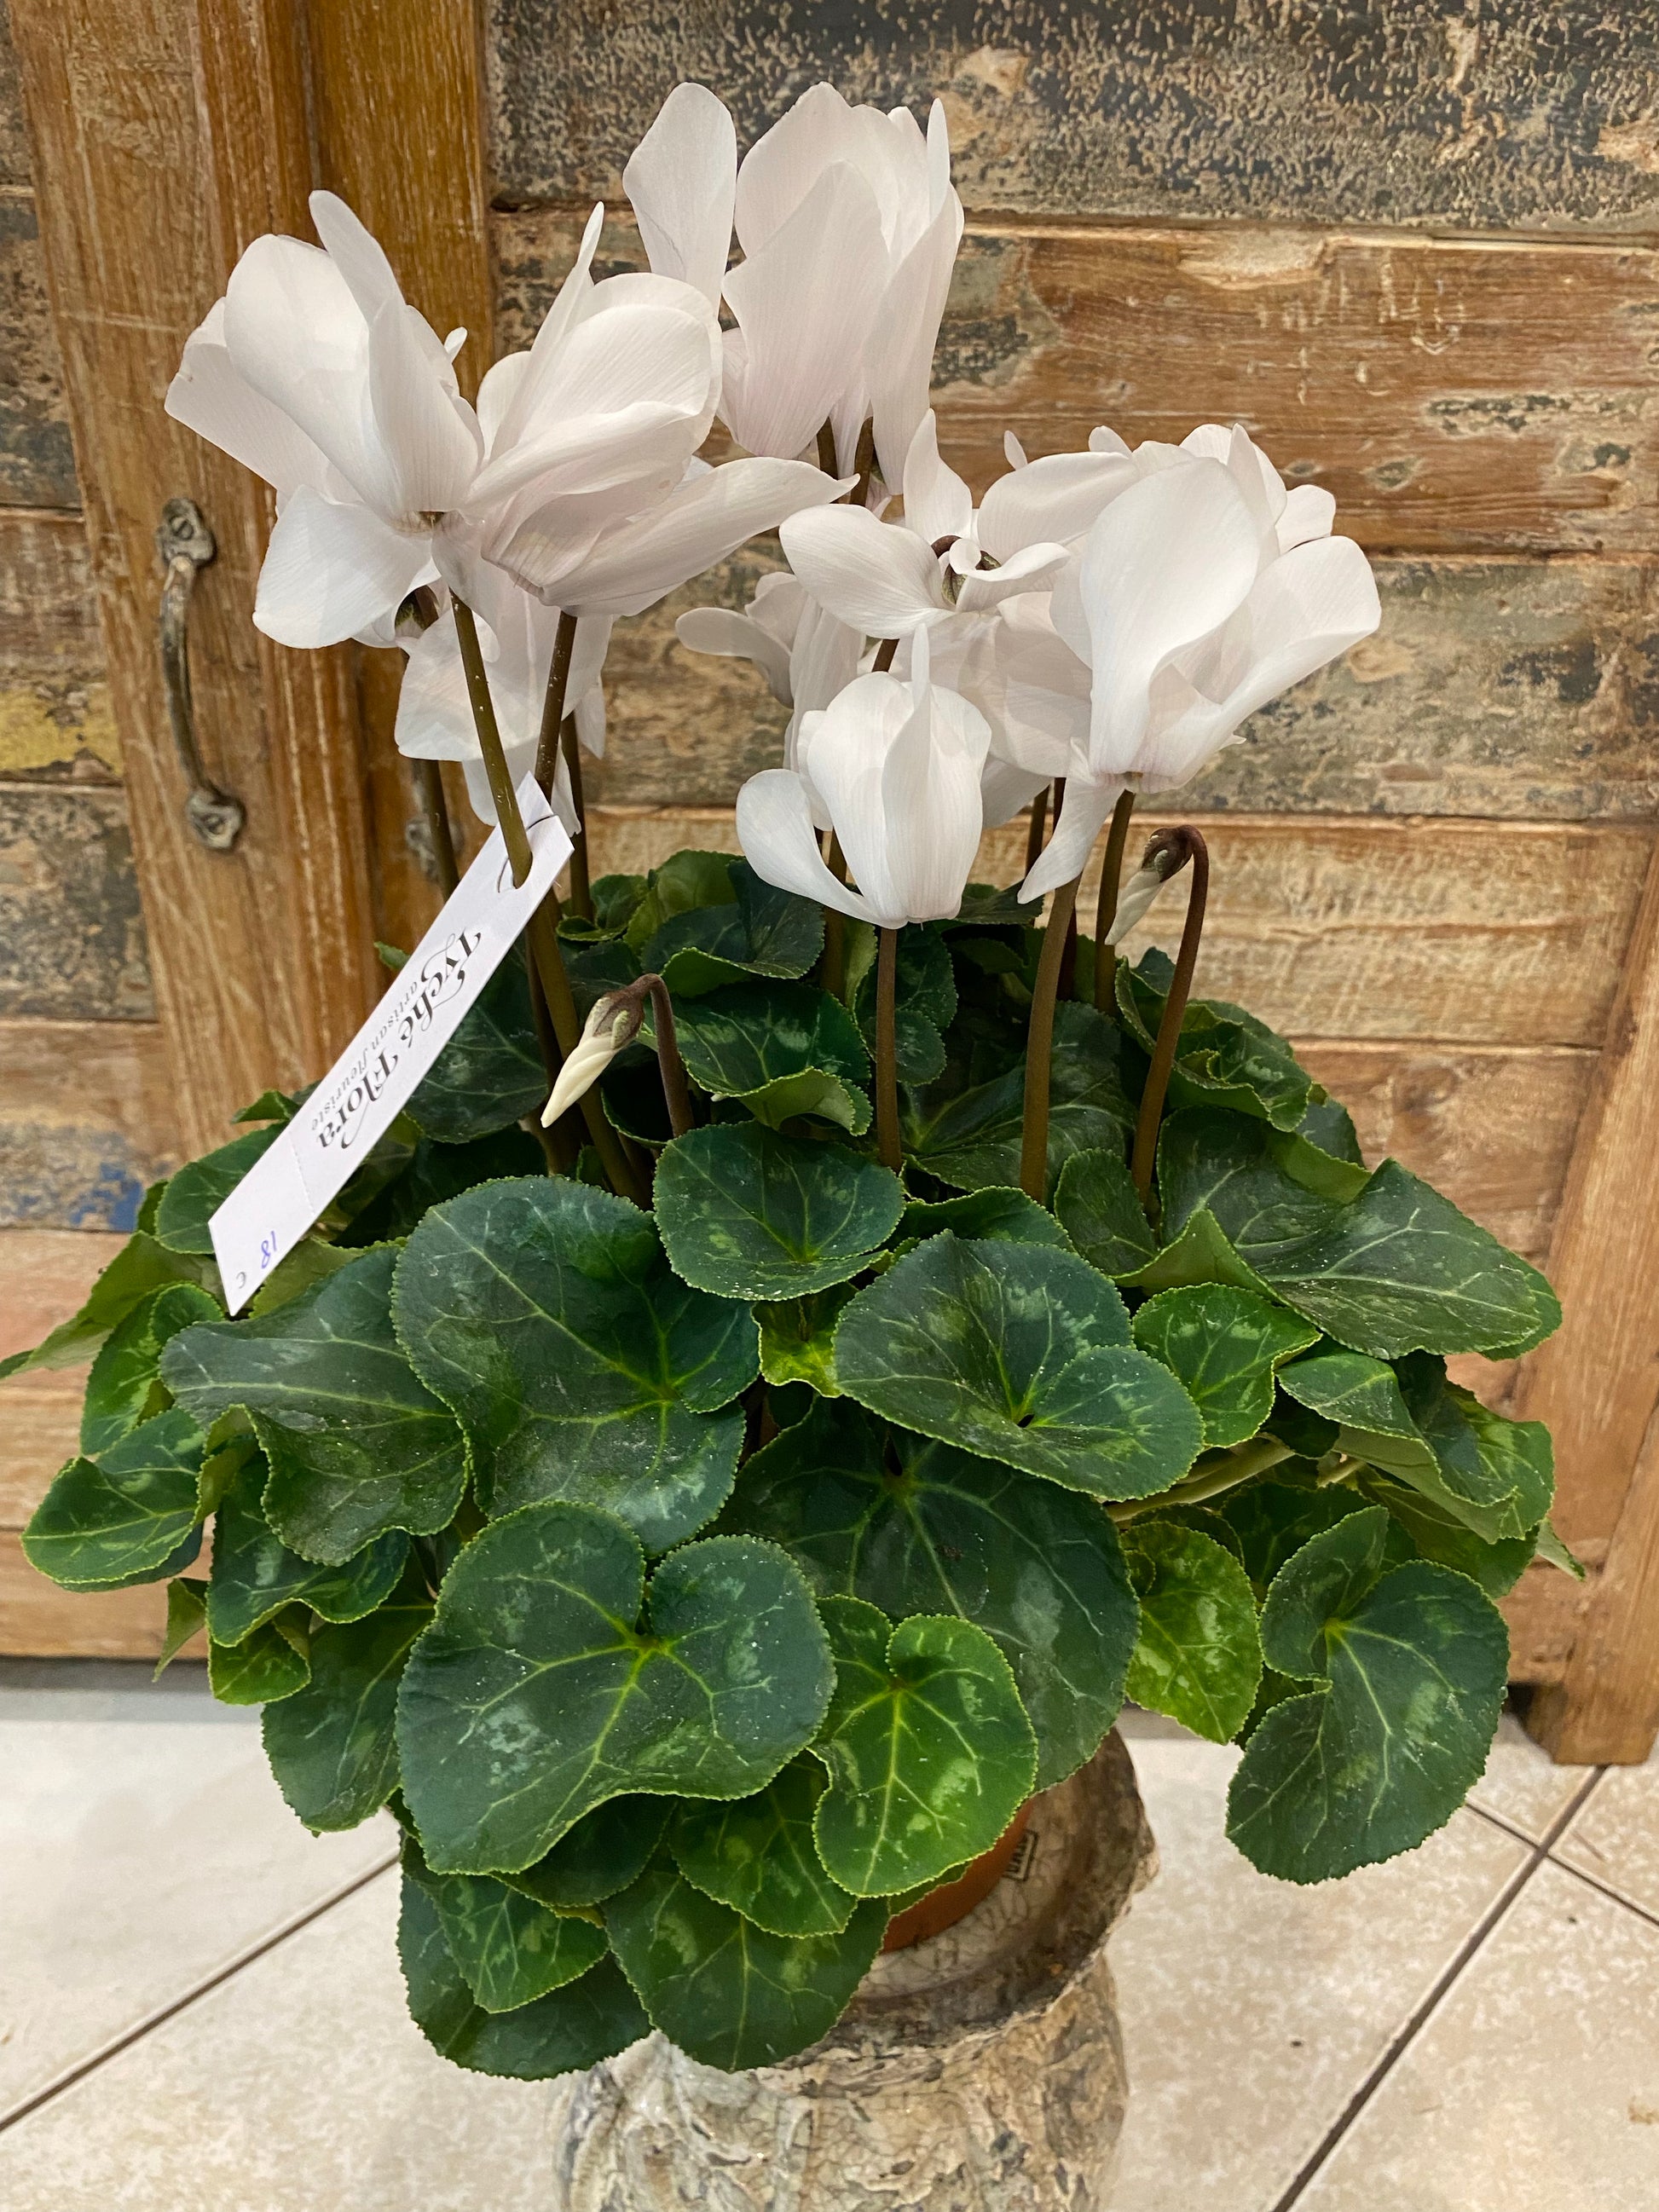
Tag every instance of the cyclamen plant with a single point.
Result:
(707, 1521)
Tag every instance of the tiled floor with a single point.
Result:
(200, 2007)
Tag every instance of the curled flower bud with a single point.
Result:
(613, 1022)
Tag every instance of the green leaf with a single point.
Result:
(571, 2028)
(127, 1516)
(779, 1050)
(1223, 1345)
(729, 1993)
(760, 931)
(535, 1694)
(332, 1747)
(141, 1266)
(438, 1172)
(270, 1665)
(929, 1749)
(255, 1575)
(357, 1444)
(510, 1949)
(1496, 1476)
(606, 1850)
(1272, 1521)
(925, 997)
(758, 1857)
(1224, 1057)
(993, 1215)
(123, 1389)
(580, 1368)
(311, 1262)
(1017, 1353)
(970, 1137)
(1394, 1268)
(914, 1527)
(1200, 1656)
(797, 1338)
(201, 1187)
(1100, 1210)
(1410, 1671)
(685, 882)
(275, 1105)
(1439, 1535)
(615, 899)
(186, 1617)
(1550, 1547)
(490, 1074)
(747, 1213)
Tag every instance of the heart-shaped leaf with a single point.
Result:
(127, 1516)
(186, 1617)
(438, 1172)
(781, 1050)
(1200, 1656)
(1017, 1353)
(544, 1313)
(510, 1949)
(993, 1215)
(685, 881)
(490, 1074)
(357, 1444)
(924, 997)
(970, 1136)
(798, 1338)
(929, 1749)
(140, 1267)
(1392, 1269)
(592, 2018)
(606, 1850)
(1439, 1536)
(730, 1994)
(201, 1187)
(757, 1856)
(1272, 1521)
(747, 1213)
(255, 1575)
(1225, 1057)
(125, 1386)
(1496, 1476)
(759, 931)
(914, 1527)
(1099, 1207)
(537, 1693)
(332, 1747)
(1409, 1668)
(1223, 1345)
(272, 1663)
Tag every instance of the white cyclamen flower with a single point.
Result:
(895, 768)
(806, 655)
(849, 226)
(591, 495)
(315, 373)
(608, 1028)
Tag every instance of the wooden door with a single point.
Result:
(1415, 254)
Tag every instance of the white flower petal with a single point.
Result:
(1006, 789)
(1055, 499)
(331, 570)
(681, 180)
(737, 637)
(572, 304)
(209, 397)
(589, 713)
(1309, 511)
(1135, 902)
(775, 829)
(877, 579)
(1014, 451)
(784, 163)
(1084, 809)
(1035, 567)
(1102, 441)
(899, 356)
(432, 441)
(937, 502)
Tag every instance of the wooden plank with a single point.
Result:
(1472, 933)
(14, 136)
(37, 459)
(38, 1620)
(1454, 394)
(1546, 1612)
(55, 720)
(72, 941)
(1605, 1703)
(86, 1120)
(45, 1273)
(41, 1416)
(1525, 689)
(263, 958)
(1403, 112)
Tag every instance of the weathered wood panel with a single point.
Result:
(1547, 1610)
(71, 938)
(37, 462)
(14, 136)
(39, 1427)
(1454, 395)
(1453, 932)
(45, 1273)
(1404, 111)
(55, 720)
(1527, 688)
(86, 1120)
(38, 1620)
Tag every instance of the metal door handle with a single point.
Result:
(185, 544)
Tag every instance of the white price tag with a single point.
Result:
(363, 1094)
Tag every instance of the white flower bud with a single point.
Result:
(608, 1027)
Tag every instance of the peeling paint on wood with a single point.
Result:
(37, 464)
(1400, 111)
(1454, 395)
(71, 935)
(86, 1120)
(56, 721)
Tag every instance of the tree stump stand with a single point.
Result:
(980, 2071)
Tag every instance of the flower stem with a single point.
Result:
(884, 653)
(677, 1094)
(864, 461)
(581, 891)
(833, 974)
(887, 1121)
(1039, 1047)
(541, 931)
(1209, 1479)
(558, 679)
(1111, 882)
(1034, 833)
(1180, 846)
(827, 449)
(429, 789)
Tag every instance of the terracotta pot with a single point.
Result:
(952, 1901)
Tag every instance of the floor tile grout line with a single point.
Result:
(1606, 1889)
(1538, 1852)
(162, 2013)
